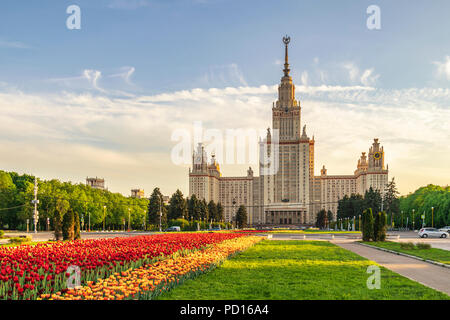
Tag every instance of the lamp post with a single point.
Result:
(35, 202)
(89, 229)
(129, 215)
(402, 217)
(104, 217)
(413, 218)
(234, 212)
(354, 227)
(160, 213)
(432, 211)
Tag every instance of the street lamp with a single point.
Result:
(402, 218)
(129, 210)
(413, 218)
(160, 213)
(234, 211)
(432, 210)
(104, 217)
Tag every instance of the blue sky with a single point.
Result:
(171, 43)
(87, 87)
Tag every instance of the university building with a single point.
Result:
(286, 192)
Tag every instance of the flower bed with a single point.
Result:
(149, 281)
(29, 271)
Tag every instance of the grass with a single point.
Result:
(435, 254)
(31, 243)
(313, 231)
(297, 270)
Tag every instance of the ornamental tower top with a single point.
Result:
(286, 89)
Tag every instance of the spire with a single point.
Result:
(286, 69)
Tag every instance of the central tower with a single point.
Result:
(286, 192)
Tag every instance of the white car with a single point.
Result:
(432, 232)
(446, 229)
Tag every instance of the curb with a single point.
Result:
(406, 255)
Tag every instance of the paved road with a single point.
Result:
(428, 274)
(45, 236)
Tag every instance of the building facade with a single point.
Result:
(96, 183)
(137, 193)
(286, 192)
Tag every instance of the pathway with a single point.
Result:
(428, 274)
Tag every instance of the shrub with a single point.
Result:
(423, 246)
(68, 225)
(407, 245)
(367, 222)
(76, 228)
(381, 226)
(182, 223)
(20, 239)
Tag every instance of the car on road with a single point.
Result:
(446, 229)
(173, 229)
(432, 232)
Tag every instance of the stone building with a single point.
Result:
(96, 183)
(286, 192)
(137, 193)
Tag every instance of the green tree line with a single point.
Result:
(101, 208)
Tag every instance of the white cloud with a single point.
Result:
(127, 140)
(304, 78)
(367, 77)
(443, 68)
(13, 44)
(223, 75)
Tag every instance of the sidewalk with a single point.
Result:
(430, 275)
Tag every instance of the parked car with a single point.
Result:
(432, 232)
(172, 229)
(446, 229)
(216, 229)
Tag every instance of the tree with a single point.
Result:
(68, 226)
(156, 207)
(204, 214)
(372, 199)
(194, 208)
(391, 203)
(177, 206)
(329, 216)
(321, 219)
(241, 217)
(367, 225)
(220, 212)
(212, 209)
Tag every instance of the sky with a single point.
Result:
(105, 100)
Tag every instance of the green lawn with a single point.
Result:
(313, 232)
(295, 270)
(434, 254)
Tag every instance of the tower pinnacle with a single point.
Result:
(286, 69)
